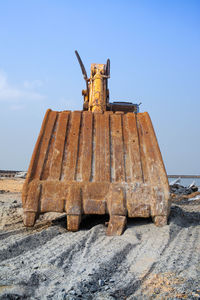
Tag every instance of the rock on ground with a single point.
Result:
(146, 262)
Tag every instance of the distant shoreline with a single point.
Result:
(13, 172)
(183, 176)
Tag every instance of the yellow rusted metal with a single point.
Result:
(97, 163)
(97, 88)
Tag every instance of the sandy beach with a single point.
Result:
(146, 262)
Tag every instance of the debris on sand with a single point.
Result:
(20, 175)
(177, 188)
(3, 191)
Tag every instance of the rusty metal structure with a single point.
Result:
(104, 159)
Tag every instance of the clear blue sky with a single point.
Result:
(154, 48)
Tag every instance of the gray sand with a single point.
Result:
(146, 262)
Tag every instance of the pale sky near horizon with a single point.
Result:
(154, 48)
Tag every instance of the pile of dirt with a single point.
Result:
(146, 262)
(178, 189)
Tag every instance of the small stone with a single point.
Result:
(72, 292)
(112, 295)
(61, 296)
(34, 279)
(79, 293)
(156, 291)
(35, 267)
(82, 271)
(107, 288)
(111, 280)
(101, 282)
(93, 289)
(72, 298)
(85, 290)
(195, 295)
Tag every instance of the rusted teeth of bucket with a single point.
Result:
(97, 163)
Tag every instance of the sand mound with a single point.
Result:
(146, 262)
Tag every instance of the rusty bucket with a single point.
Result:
(97, 162)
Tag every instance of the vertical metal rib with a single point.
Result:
(56, 161)
(117, 144)
(36, 151)
(85, 148)
(45, 144)
(64, 157)
(72, 147)
(132, 150)
(123, 143)
(111, 150)
(107, 169)
(155, 171)
(158, 157)
(93, 147)
(141, 150)
(97, 148)
(49, 153)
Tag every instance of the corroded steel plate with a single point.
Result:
(97, 163)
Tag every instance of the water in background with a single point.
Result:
(187, 181)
